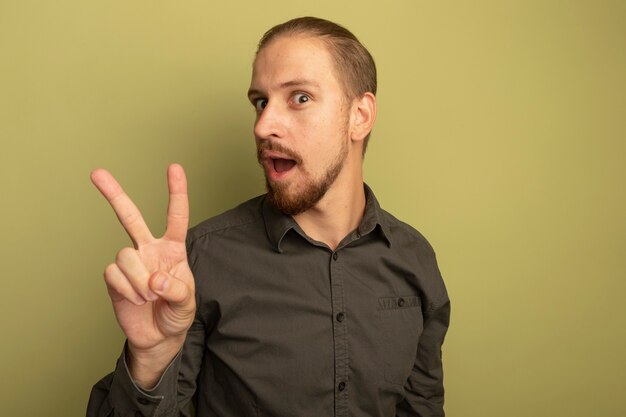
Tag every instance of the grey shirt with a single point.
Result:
(285, 326)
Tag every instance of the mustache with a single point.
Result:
(277, 147)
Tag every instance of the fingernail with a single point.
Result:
(160, 283)
(152, 296)
(139, 301)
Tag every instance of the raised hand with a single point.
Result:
(150, 285)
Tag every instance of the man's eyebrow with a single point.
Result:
(253, 93)
(298, 82)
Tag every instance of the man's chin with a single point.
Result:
(292, 203)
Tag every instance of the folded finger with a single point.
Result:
(119, 287)
(130, 263)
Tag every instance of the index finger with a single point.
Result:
(178, 207)
(127, 212)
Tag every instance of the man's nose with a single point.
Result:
(270, 123)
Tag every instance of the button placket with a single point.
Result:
(340, 337)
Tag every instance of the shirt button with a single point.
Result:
(340, 317)
(341, 386)
(400, 302)
(335, 256)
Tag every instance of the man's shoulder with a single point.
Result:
(244, 214)
(404, 233)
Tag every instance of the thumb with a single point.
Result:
(171, 289)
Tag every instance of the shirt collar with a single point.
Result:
(374, 217)
(278, 224)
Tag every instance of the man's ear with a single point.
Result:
(363, 116)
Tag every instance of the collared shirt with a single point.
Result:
(285, 326)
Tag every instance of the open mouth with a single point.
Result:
(283, 165)
(278, 162)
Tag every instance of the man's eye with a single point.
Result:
(260, 104)
(300, 98)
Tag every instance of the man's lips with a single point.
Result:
(278, 160)
(277, 164)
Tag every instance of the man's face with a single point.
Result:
(302, 123)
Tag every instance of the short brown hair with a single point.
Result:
(353, 62)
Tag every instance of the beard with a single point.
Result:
(291, 201)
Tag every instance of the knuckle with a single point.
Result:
(186, 295)
(179, 294)
(124, 255)
(131, 218)
(110, 280)
(109, 270)
(112, 276)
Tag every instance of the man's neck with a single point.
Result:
(338, 213)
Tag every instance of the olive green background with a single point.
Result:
(500, 135)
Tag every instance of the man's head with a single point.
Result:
(313, 87)
(353, 63)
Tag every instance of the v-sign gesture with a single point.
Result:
(150, 285)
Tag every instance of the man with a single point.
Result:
(307, 301)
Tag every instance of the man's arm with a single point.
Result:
(152, 290)
(117, 395)
(424, 388)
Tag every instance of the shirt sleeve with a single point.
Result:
(424, 388)
(117, 395)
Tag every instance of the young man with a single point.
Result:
(308, 301)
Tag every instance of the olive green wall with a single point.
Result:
(501, 136)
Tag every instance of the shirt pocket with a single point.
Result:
(401, 324)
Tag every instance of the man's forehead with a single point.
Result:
(287, 61)
(294, 43)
